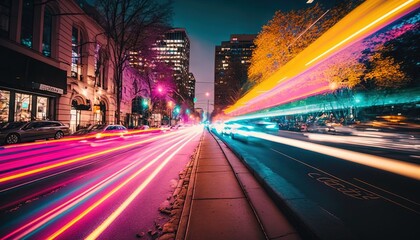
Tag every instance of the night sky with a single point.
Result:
(209, 22)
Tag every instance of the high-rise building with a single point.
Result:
(174, 50)
(232, 60)
(191, 86)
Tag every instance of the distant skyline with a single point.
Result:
(210, 22)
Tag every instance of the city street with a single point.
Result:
(98, 188)
(370, 203)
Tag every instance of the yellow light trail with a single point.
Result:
(387, 164)
(378, 20)
(358, 24)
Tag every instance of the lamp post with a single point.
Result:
(208, 114)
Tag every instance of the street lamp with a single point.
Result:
(208, 115)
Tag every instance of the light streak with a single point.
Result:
(49, 167)
(360, 31)
(355, 26)
(95, 234)
(112, 192)
(80, 138)
(52, 214)
(387, 164)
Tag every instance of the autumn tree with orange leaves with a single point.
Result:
(288, 33)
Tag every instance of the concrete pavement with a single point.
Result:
(224, 201)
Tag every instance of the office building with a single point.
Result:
(232, 60)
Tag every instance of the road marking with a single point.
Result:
(408, 200)
(344, 180)
(341, 187)
(387, 164)
(308, 165)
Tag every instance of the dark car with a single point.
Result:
(15, 132)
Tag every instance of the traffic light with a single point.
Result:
(145, 103)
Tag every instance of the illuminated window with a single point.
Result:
(76, 52)
(41, 108)
(23, 107)
(100, 66)
(4, 105)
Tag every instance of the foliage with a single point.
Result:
(385, 72)
(130, 25)
(288, 33)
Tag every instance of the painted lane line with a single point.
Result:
(354, 185)
(387, 164)
(383, 190)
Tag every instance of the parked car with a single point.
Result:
(320, 127)
(142, 127)
(15, 132)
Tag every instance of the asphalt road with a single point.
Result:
(368, 202)
(74, 189)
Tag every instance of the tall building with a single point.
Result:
(53, 64)
(174, 50)
(191, 86)
(232, 60)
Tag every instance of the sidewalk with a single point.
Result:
(224, 201)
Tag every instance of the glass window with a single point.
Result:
(27, 30)
(76, 52)
(100, 66)
(23, 107)
(4, 105)
(47, 31)
(4, 17)
(41, 108)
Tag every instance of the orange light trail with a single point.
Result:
(387, 164)
(367, 27)
(358, 24)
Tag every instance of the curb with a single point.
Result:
(185, 215)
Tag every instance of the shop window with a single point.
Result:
(47, 32)
(23, 107)
(76, 52)
(5, 6)
(27, 28)
(4, 105)
(41, 108)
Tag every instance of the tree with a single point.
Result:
(385, 73)
(130, 25)
(288, 33)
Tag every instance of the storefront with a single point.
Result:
(29, 88)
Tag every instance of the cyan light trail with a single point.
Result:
(323, 103)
